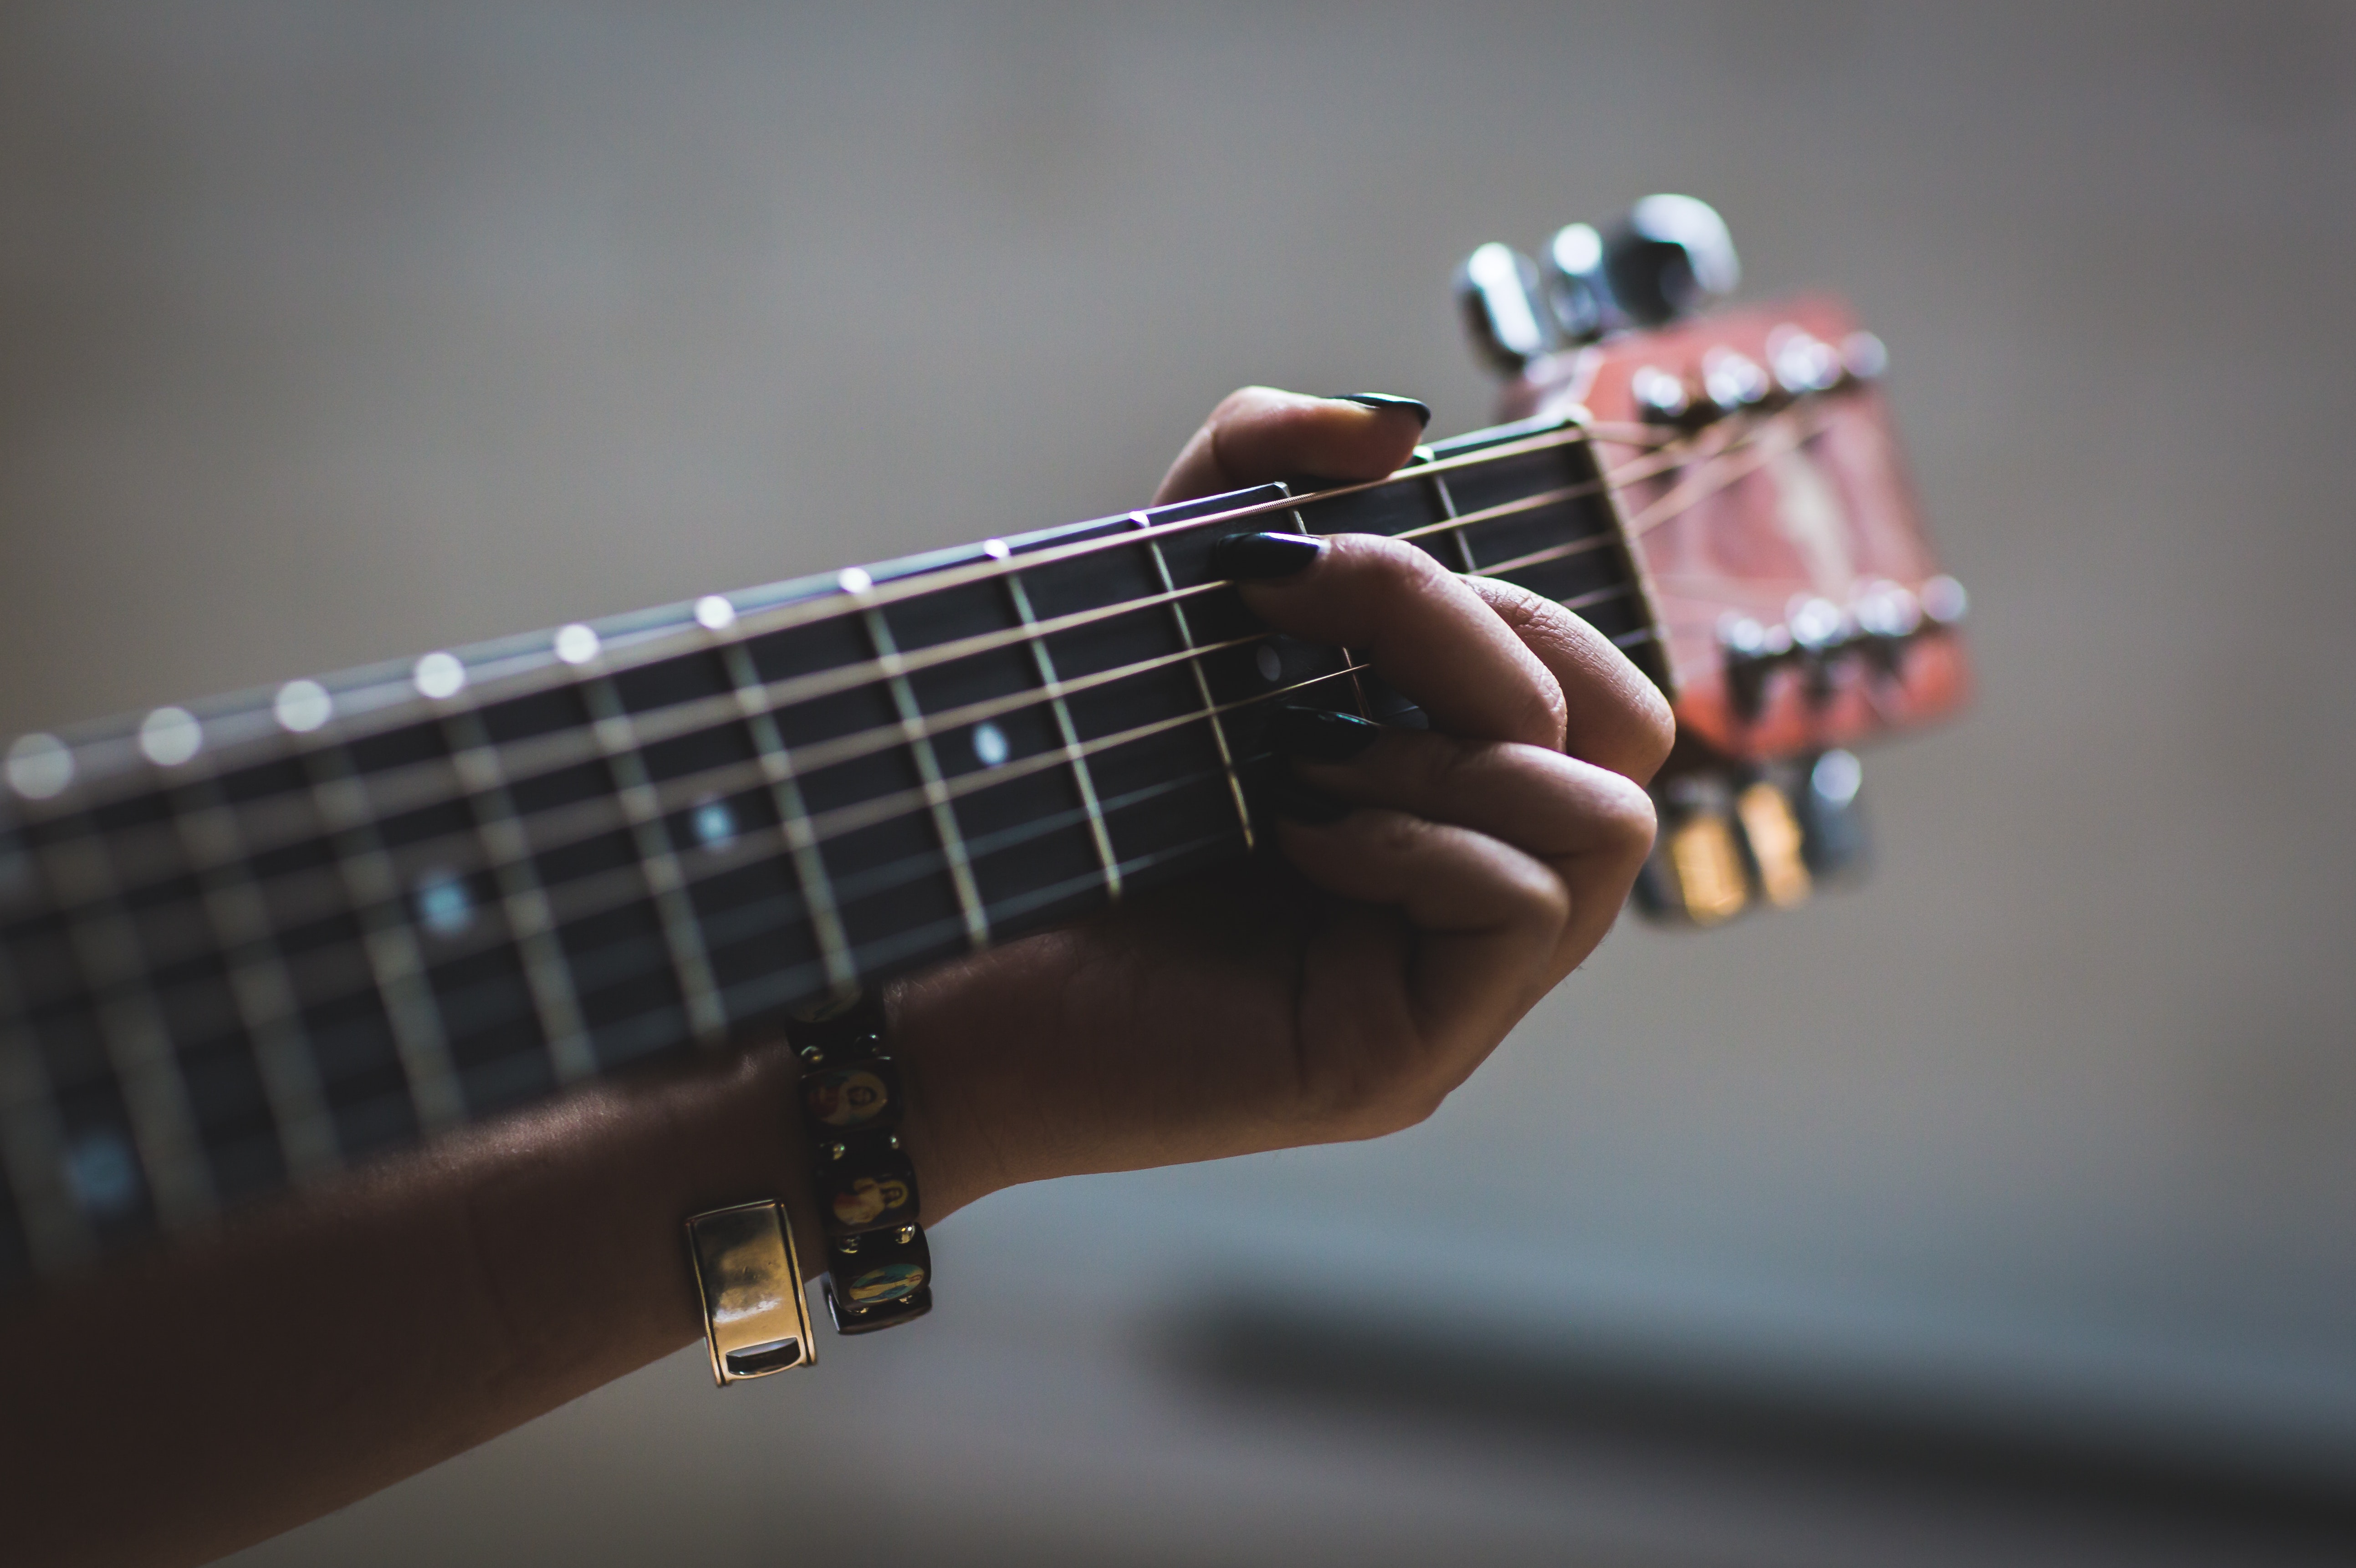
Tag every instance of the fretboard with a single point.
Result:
(251, 941)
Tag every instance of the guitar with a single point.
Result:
(247, 942)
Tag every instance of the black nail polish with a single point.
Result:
(1290, 798)
(1381, 400)
(1317, 735)
(1248, 558)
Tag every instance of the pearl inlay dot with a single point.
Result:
(170, 736)
(440, 676)
(576, 644)
(989, 747)
(715, 825)
(304, 706)
(714, 613)
(39, 766)
(444, 906)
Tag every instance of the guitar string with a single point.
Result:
(689, 790)
(392, 793)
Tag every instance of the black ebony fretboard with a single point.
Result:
(248, 943)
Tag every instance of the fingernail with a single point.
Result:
(1296, 802)
(1317, 735)
(1248, 558)
(1416, 406)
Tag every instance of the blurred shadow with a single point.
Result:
(1797, 1429)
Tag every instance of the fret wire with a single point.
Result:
(523, 900)
(1083, 776)
(33, 1145)
(793, 817)
(658, 861)
(260, 984)
(929, 770)
(1203, 688)
(130, 1027)
(1449, 524)
(387, 939)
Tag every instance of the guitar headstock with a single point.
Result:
(1801, 608)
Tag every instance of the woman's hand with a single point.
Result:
(1341, 985)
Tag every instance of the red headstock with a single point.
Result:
(1802, 607)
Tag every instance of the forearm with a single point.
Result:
(178, 1406)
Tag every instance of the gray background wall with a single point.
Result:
(334, 332)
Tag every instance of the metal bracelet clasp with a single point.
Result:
(756, 1317)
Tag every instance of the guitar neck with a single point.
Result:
(251, 941)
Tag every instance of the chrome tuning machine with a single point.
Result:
(1670, 257)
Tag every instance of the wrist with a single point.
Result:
(957, 1161)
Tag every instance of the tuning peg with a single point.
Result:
(1571, 269)
(1671, 256)
(1510, 325)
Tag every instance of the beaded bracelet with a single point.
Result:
(878, 1269)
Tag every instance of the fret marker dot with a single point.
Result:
(444, 906)
(995, 548)
(104, 1174)
(715, 826)
(440, 676)
(304, 706)
(988, 745)
(854, 581)
(170, 736)
(714, 613)
(39, 766)
(576, 644)
(1271, 663)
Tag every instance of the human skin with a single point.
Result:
(175, 1406)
